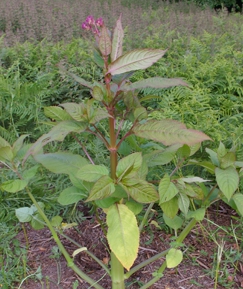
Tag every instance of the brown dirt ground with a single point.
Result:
(195, 271)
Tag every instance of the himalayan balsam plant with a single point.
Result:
(122, 189)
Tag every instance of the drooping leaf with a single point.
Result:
(104, 41)
(154, 82)
(205, 164)
(123, 234)
(103, 188)
(141, 191)
(117, 40)
(238, 199)
(98, 115)
(194, 180)
(170, 208)
(169, 132)
(173, 258)
(183, 202)
(71, 195)
(61, 162)
(174, 223)
(183, 152)
(91, 173)
(228, 181)
(167, 190)
(57, 133)
(14, 186)
(56, 113)
(134, 60)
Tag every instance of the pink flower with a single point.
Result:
(99, 22)
(90, 20)
(86, 26)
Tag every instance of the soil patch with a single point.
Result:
(197, 269)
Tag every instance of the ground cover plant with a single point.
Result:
(121, 187)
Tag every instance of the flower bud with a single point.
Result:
(99, 22)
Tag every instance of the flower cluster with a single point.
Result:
(91, 24)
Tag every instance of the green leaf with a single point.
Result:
(97, 93)
(91, 173)
(104, 41)
(197, 214)
(170, 208)
(183, 152)
(37, 222)
(183, 202)
(14, 186)
(221, 151)
(228, 160)
(140, 113)
(30, 173)
(123, 234)
(18, 144)
(117, 40)
(24, 214)
(56, 221)
(238, 199)
(207, 165)
(75, 110)
(71, 195)
(6, 154)
(57, 133)
(213, 156)
(161, 157)
(169, 132)
(142, 191)
(228, 181)
(78, 79)
(135, 207)
(61, 162)
(4, 143)
(106, 203)
(153, 82)
(134, 60)
(98, 59)
(194, 180)
(167, 190)
(173, 258)
(174, 223)
(131, 163)
(98, 115)
(56, 113)
(103, 188)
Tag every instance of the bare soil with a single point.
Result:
(197, 269)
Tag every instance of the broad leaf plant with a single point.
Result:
(122, 189)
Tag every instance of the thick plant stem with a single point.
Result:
(69, 260)
(180, 239)
(117, 273)
(117, 270)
